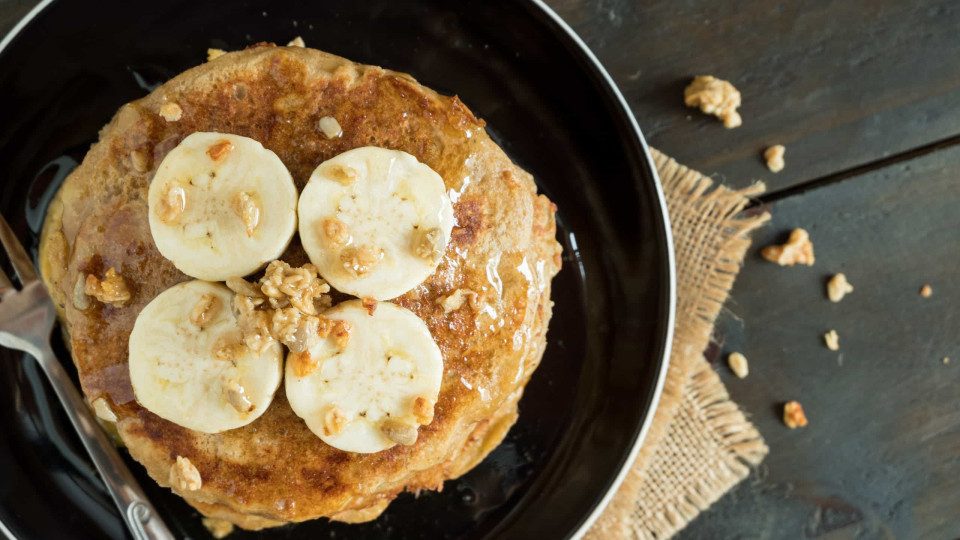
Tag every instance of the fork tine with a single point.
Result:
(18, 256)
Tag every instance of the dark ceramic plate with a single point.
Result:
(546, 101)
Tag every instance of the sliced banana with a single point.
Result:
(221, 206)
(375, 392)
(188, 363)
(375, 222)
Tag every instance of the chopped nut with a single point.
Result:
(793, 415)
(946, 360)
(219, 149)
(423, 410)
(247, 210)
(213, 54)
(341, 333)
(774, 157)
(302, 363)
(171, 112)
(297, 42)
(399, 432)
(714, 96)
(284, 285)
(219, 528)
(455, 300)
(230, 347)
(341, 173)
(429, 244)
(359, 261)
(370, 304)
(738, 364)
(798, 249)
(81, 300)
(832, 340)
(237, 397)
(926, 291)
(184, 475)
(838, 287)
(140, 161)
(172, 204)
(205, 310)
(330, 127)
(336, 232)
(112, 290)
(291, 327)
(244, 287)
(103, 411)
(333, 421)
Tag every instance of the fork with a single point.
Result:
(26, 320)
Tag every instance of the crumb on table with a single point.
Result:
(832, 339)
(797, 250)
(838, 287)
(774, 158)
(793, 415)
(738, 364)
(926, 291)
(714, 96)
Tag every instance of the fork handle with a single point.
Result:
(141, 517)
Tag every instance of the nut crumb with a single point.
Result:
(946, 360)
(793, 415)
(399, 432)
(341, 333)
(330, 127)
(219, 528)
(838, 287)
(171, 112)
(247, 209)
(205, 310)
(341, 174)
(738, 364)
(423, 410)
(219, 149)
(237, 396)
(302, 363)
(798, 249)
(774, 157)
(370, 304)
(832, 339)
(333, 421)
(112, 290)
(926, 291)
(360, 260)
(173, 203)
(429, 244)
(336, 232)
(229, 348)
(297, 42)
(213, 54)
(457, 298)
(714, 96)
(184, 475)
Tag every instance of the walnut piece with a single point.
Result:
(301, 287)
(832, 339)
(399, 432)
(738, 365)
(457, 298)
(302, 363)
(838, 287)
(171, 112)
(714, 96)
(205, 310)
(237, 396)
(793, 415)
(341, 333)
(213, 54)
(361, 260)
(219, 528)
(926, 291)
(230, 347)
(423, 410)
(330, 127)
(184, 475)
(173, 203)
(81, 300)
(297, 42)
(247, 209)
(341, 173)
(336, 232)
(333, 421)
(797, 250)
(112, 290)
(774, 157)
(219, 149)
(370, 304)
(428, 244)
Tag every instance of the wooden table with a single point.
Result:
(866, 98)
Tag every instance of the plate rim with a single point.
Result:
(664, 359)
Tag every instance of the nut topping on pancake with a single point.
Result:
(184, 475)
(112, 290)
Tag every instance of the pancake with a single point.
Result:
(275, 470)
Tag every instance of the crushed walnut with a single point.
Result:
(369, 304)
(330, 127)
(219, 528)
(247, 209)
(341, 173)
(399, 432)
(184, 475)
(428, 244)
(360, 260)
(112, 290)
(945, 360)
(173, 203)
(797, 250)
(336, 232)
(302, 363)
(832, 340)
(171, 112)
(838, 287)
(205, 310)
(714, 96)
(237, 397)
(926, 291)
(456, 299)
(793, 415)
(333, 421)
(738, 365)
(341, 333)
(423, 410)
(219, 149)
(213, 54)
(302, 287)
(297, 42)
(774, 157)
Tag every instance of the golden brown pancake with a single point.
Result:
(275, 470)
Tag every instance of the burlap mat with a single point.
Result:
(700, 444)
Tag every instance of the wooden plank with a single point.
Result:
(881, 456)
(840, 84)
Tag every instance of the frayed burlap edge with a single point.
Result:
(710, 240)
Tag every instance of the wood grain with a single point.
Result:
(881, 456)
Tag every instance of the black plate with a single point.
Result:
(546, 101)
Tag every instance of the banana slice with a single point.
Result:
(221, 206)
(375, 222)
(188, 363)
(374, 392)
